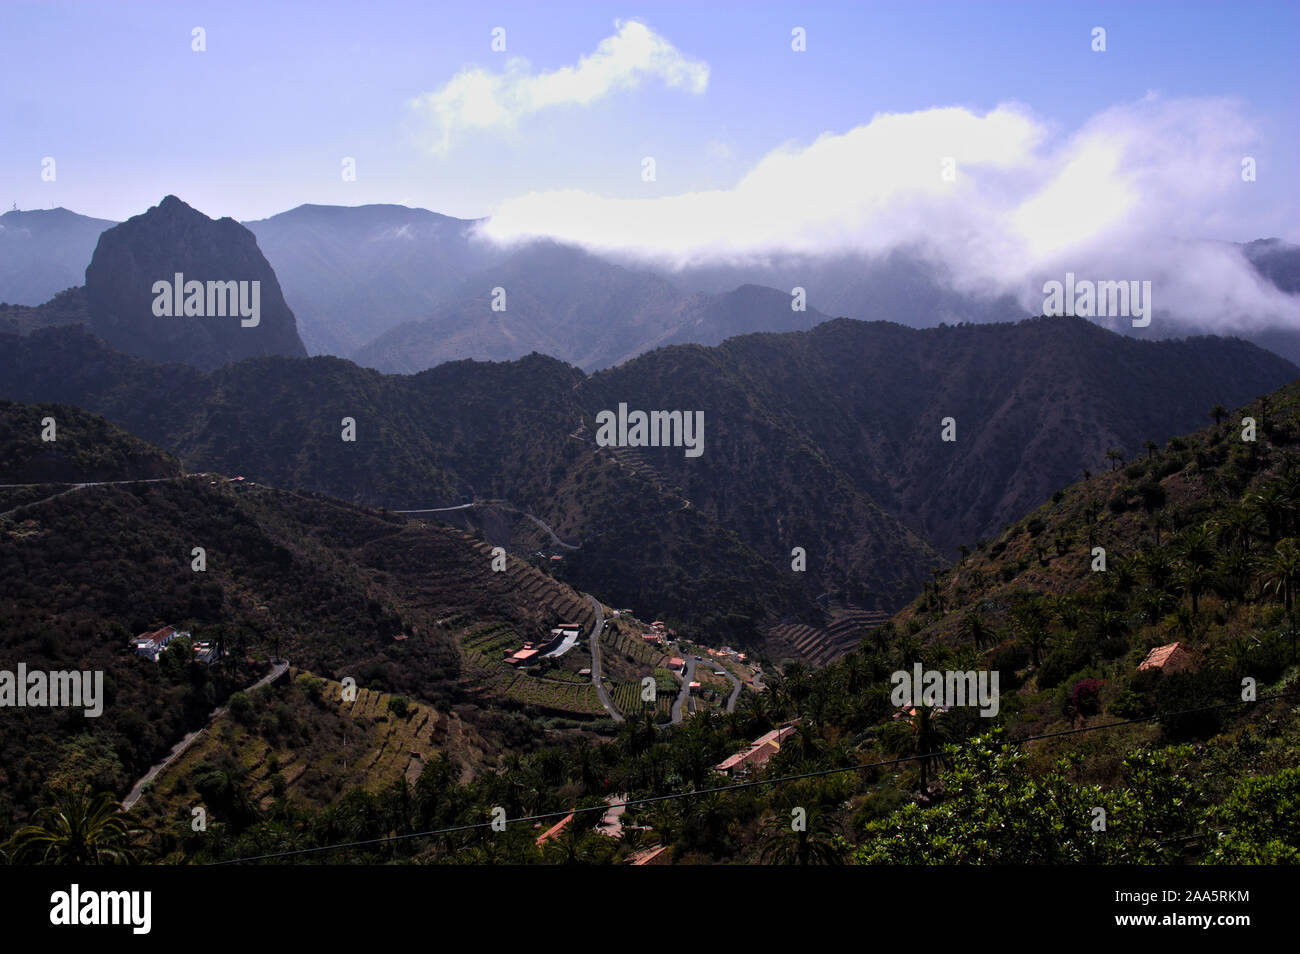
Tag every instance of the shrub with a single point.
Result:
(1085, 697)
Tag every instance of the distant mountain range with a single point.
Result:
(44, 251)
(402, 289)
(352, 274)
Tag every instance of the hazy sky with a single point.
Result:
(991, 137)
(260, 121)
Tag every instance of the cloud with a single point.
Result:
(478, 99)
(1112, 200)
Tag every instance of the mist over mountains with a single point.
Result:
(402, 290)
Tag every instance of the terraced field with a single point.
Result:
(556, 689)
(820, 646)
(307, 747)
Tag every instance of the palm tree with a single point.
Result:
(1151, 447)
(78, 829)
(1274, 505)
(1159, 522)
(573, 846)
(1195, 580)
(816, 844)
(1218, 412)
(1282, 571)
(1030, 621)
(1236, 526)
(1198, 548)
(973, 628)
(1115, 458)
(1065, 609)
(929, 735)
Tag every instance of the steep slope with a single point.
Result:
(173, 239)
(461, 432)
(834, 428)
(82, 447)
(340, 590)
(828, 440)
(1193, 542)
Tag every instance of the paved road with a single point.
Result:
(551, 533)
(597, 629)
(79, 486)
(686, 689)
(503, 505)
(735, 691)
(179, 748)
(438, 509)
(611, 823)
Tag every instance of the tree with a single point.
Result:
(974, 629)
(1115, 458)
(1282, 571)
(1259, 821)
(78, 829)
(815, 842)
(928, 737)
(1218, 412)
(1151, 447)
(1195, 580)
(1030, 622)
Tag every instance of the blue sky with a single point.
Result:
(260, 121)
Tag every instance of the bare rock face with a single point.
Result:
(174, 285)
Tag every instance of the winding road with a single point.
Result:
(597, 628)
(735, 691)
(687, 675)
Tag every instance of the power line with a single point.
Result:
(738, 786)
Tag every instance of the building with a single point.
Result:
(757, 754)
(1174, 657)
(206, 652)
(151, 645)
(521, 657)
(554, 830)
(677, 664)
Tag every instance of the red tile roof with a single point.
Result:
(1173, 657)
(554, 830)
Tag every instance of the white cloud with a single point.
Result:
(476, 98)
(1109, 201)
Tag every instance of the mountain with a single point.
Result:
(900, 285)
(43, 251)
(352, 273)
(238, 309)
(82, 447)
(565, 302)
(340, 590)
(829, 440)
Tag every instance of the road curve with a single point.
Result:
(597, 628)
(735, 692)
(687, 676)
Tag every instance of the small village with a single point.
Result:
(150, 645)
